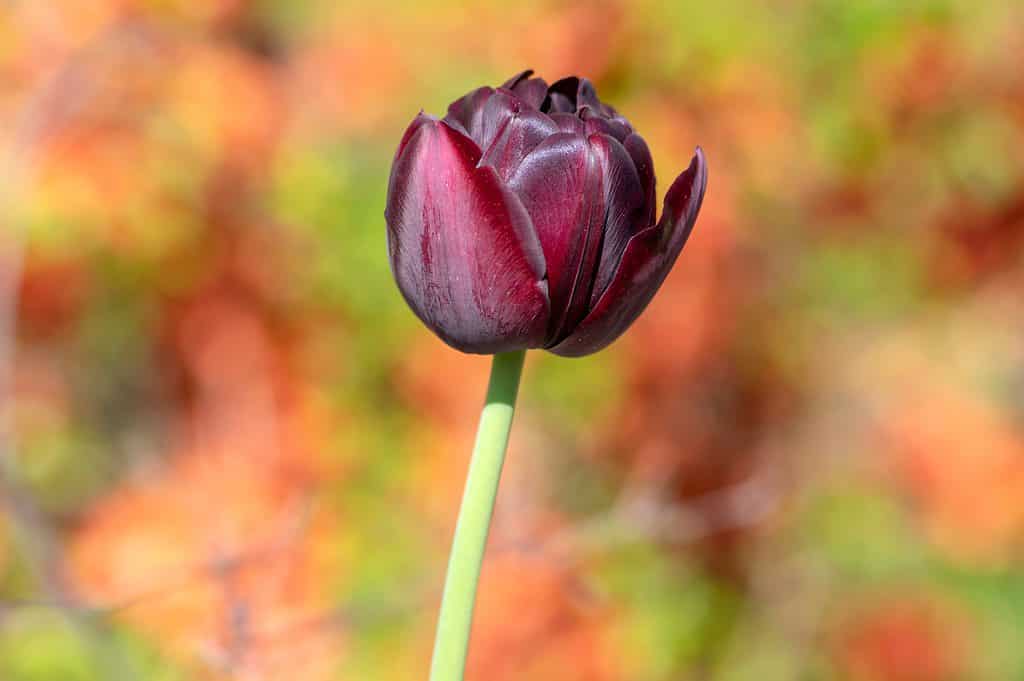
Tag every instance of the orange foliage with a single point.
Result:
(229, 103)
(534, 621)
(574, 37)
(349, 78)
(225, 551)
(902, 640)
(963, 464)
(52, 297)
(215, 555)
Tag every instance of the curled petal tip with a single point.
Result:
(646, 261)
(701, 161)
(514, 80)
(687, 192)
(702, 173)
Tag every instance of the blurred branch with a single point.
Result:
(642, 514)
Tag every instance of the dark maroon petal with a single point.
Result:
(417, 123)
(646, 262)
(625, 207)
(516, 79)
(568, 122)
(510, 129)
(556, 102)
(462, 247)
(466, 113)
(586, 95)
(532, 91)
(560, 185)
(567, 88)
(596, 124)
(641, 155)
(579, 92)
(616, 118)
(517, 130)
(500, 108)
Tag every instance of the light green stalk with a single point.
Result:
(456, 620)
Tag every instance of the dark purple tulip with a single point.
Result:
(525, 218)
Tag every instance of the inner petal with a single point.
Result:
(560, 185)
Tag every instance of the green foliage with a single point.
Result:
(671, 616)
(39, 644)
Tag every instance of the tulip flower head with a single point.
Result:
(525, 218)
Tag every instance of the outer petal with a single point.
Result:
(626, 211)
(511, 129)
(648, 258)
(462, 248)
(530, 90)
(466, 113)
(560, 185)
(417, 123)
(516, 79)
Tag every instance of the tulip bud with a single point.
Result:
(525, 218)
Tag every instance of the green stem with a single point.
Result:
(456, 619)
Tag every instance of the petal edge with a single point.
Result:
(462, 247)
(647, 260)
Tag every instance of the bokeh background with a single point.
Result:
(229, 451)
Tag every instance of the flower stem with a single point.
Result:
(456, 619)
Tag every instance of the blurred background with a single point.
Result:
(229, 451)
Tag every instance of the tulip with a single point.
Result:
(525, 218)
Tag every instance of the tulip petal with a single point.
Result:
(466, 113)
(560, 185)
(462, 247)
(530, 90)
(512, 133)
(580, 93)
(626, 211)
(417, 123)
(646, 262)
(586, 95)
(510, 130)
(516, 79)
(568, 122)
(641, 155)
(597, 124)
(564, 91)
(500, 108)
(556, 102)
(614, 116)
